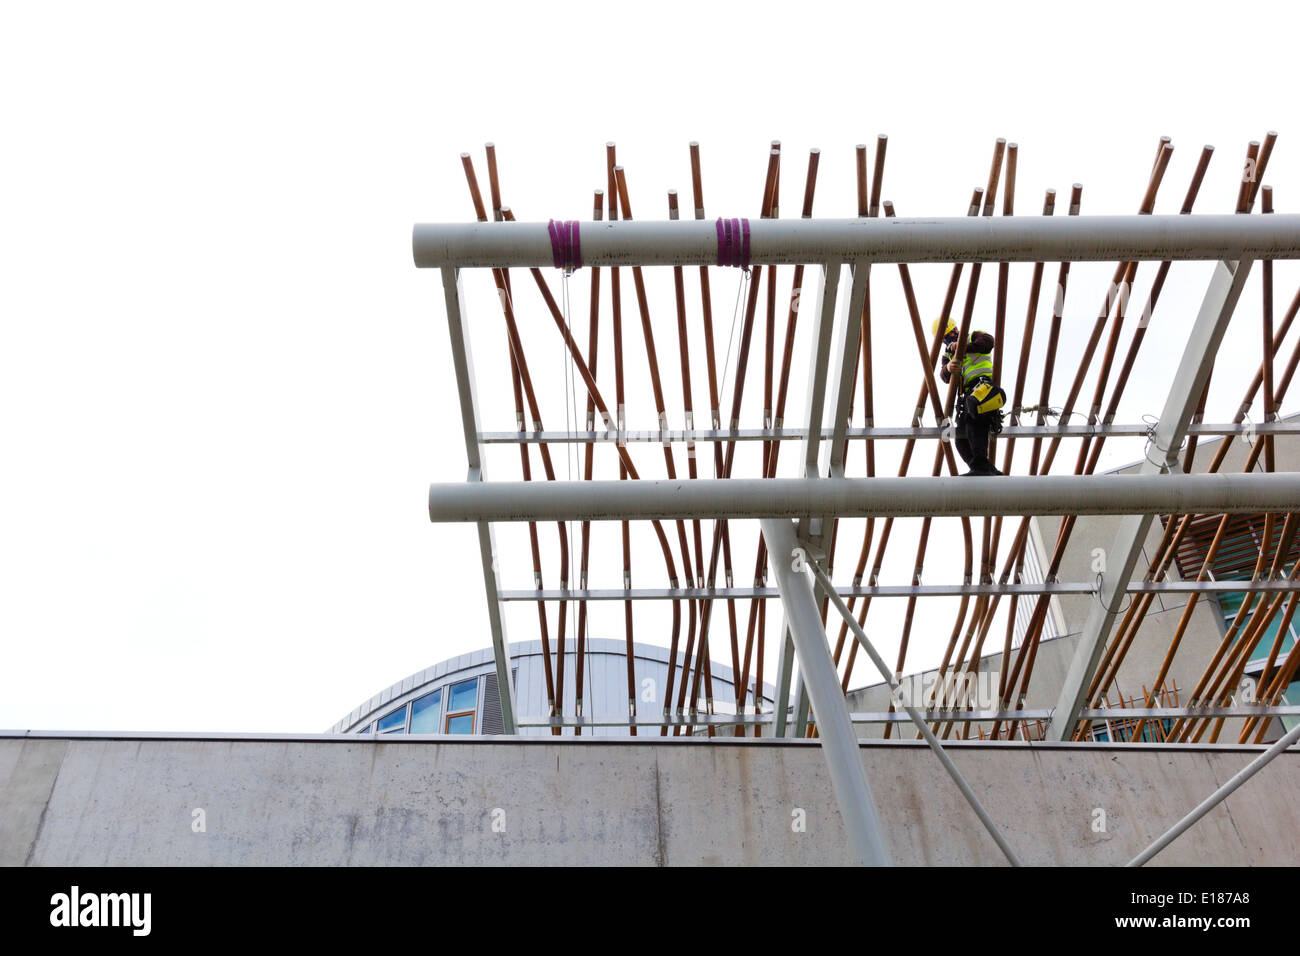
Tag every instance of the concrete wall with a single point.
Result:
(87, 801)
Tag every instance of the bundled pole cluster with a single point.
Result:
(697, 555)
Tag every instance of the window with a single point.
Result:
(424, 713)
(365, 729)
(460, 724)
(394, 723)
(462, 698)
(1231, 605)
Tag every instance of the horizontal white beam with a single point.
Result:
(1119, 714)
(1115, 715)
(1006, 589)
(965, 239)
(881, 432)
(862, 497)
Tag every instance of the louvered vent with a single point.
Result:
(493, 723)
(1237, 552)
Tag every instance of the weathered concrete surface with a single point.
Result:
(326, 801)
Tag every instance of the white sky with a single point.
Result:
(224, 388)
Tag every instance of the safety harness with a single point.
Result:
(983, 396)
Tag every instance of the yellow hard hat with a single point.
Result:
(951, 326)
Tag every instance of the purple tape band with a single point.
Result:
(566, 246)
(733, 243)
(557, 251)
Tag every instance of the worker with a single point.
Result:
(979, 414)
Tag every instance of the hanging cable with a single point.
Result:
(741, 289)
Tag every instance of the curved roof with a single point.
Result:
(438, 673)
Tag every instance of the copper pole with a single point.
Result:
(1169, 545)
(624, 456)
(723, 462)
(520, 378)
(643, 306)
(1123, 271)
(927, 386)
(589, 456)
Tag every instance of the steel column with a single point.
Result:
(800, 710)
(916, 717)
(464, 365)
(839, 741)
(784, 676)
(848, 342)
(819, 364)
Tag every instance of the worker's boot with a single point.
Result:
(981, 467)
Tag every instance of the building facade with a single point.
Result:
(461, 694)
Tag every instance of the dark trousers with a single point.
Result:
(973, 436)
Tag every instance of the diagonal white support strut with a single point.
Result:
(839, 740)
(1184, 393)
(1214, 799)
(917, 718)
(464, 365)
(784, 676)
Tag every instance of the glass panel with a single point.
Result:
(463, 696)
(460, 724)
(1232, 603)
(365, 729)
(394, 723)
(1290, 696)
(424, 713)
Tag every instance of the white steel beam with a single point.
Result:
(820, 371)
(839, 740)
(928, 716)
(819, 364)
(848, 341)
(800, 711)
(862, 497)
(777, 241)
(1006, 589)
(886, 432)
(1184, 393)
(784, 676)
(464, 365)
